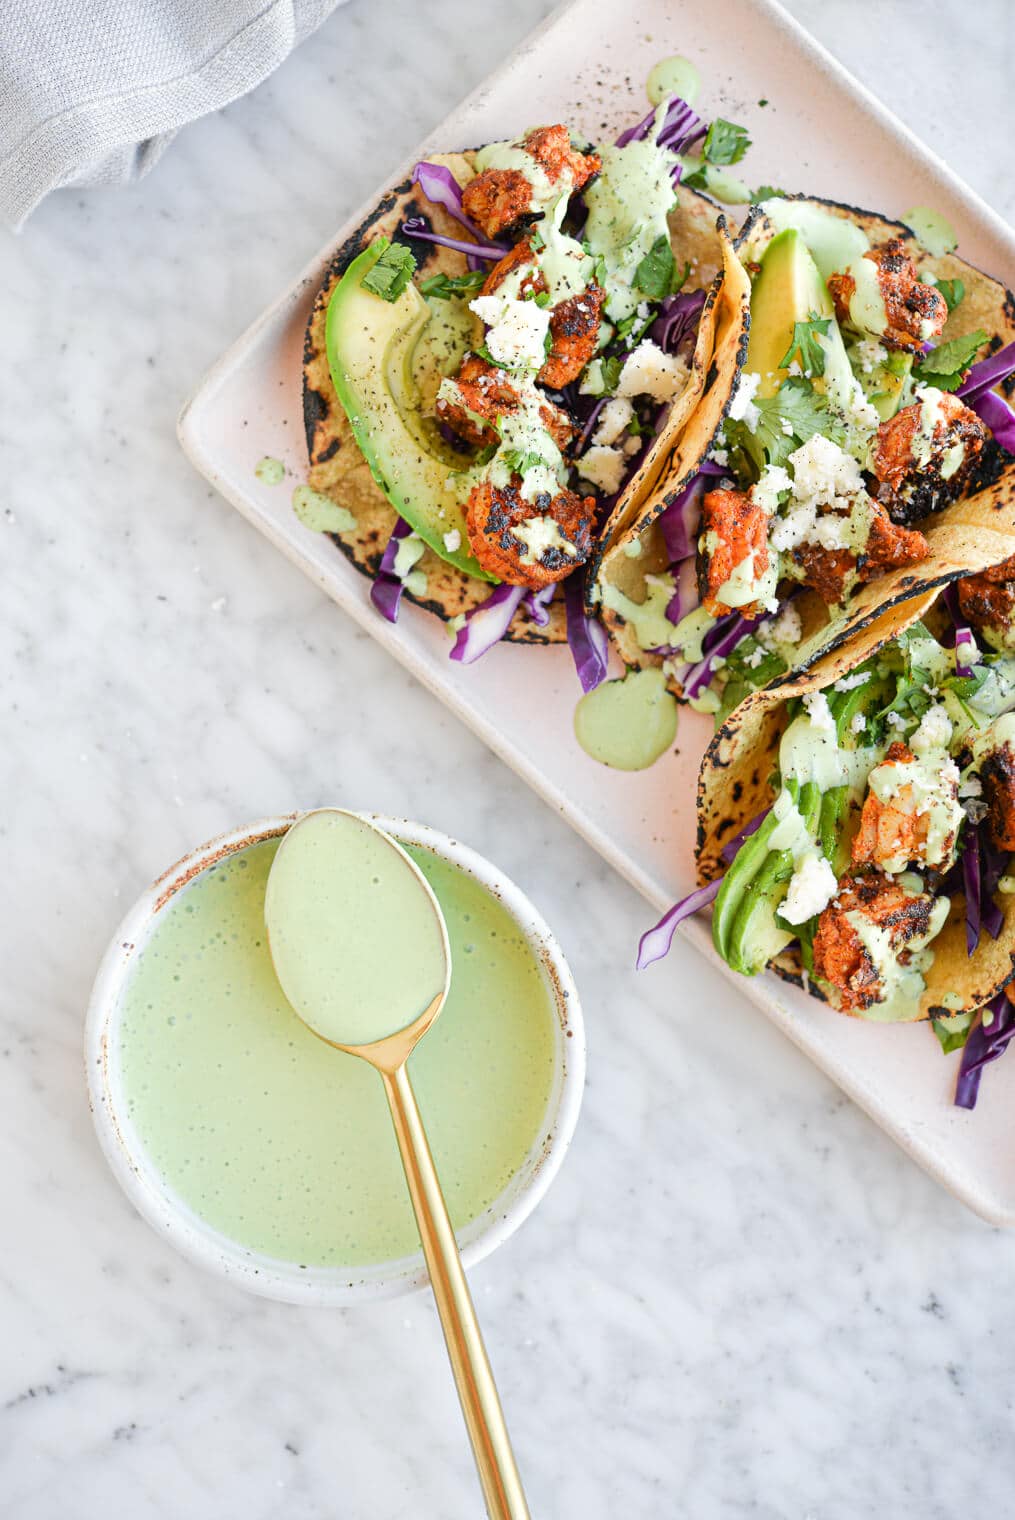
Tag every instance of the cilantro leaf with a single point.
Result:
(521, 460)
(945, 366)
(805, 342)
(444, 286)
(768, 193)
(952, 1032)
(725, 142)
(392, 272)
(953, 291)
(654, 275)
(611, 365)
(697, 180)
(797, 405)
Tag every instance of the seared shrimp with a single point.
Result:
(916, 312)
(734, 528)
(998, 776)
(574, 322)
(840, 957)
(896, 833)
(987, 601)
(529, 543)
(487, 393)
(912, 486)
(498, 198)
(830, 571)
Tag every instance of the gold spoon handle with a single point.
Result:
(477, 1391)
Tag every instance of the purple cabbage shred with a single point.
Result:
(986, 1043)
(386, 588)
(656, 942)
(486, 624)
(586, 636)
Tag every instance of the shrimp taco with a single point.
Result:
(854, 455)
(500, 359)
(856, 825)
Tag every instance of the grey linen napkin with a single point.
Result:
(92, 91)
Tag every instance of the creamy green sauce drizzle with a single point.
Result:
(932, 229)
(673, 76)
(269, 471)
(320, 513)
(627, 724)
(628, 205)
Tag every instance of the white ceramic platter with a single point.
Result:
(820, 132)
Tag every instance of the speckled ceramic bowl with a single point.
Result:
(334, 1285)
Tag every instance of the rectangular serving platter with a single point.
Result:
(586, 65)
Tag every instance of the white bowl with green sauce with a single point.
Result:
(268, 1157)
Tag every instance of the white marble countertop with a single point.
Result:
(739, 1299)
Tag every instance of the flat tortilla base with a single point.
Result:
(339, 470)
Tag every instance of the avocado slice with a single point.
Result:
(789, 289)
(378, 351)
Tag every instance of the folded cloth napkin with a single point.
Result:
(92, 91)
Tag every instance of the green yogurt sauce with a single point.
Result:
(356, 938)
(284, 1144)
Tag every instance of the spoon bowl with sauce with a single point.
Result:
(361, 951)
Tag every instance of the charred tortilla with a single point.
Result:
(339, 470)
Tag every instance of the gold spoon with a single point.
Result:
(360, 945)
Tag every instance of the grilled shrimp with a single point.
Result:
(916, 312)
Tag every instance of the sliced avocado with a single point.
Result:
(833, 241)
(754, 937)
(376, 364)
(890, 384)
(788, 289)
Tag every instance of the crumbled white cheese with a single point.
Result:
(811, 889)
(453, 541)
(742, 407)
(650, 372)
(822, 471)
(819, 711)
(769, 486)
(602, 467)
(868, 353)
(857, 723)
(787, 627)
(850, 683)
(721, 457)
(613, 420)
(517, 330)
(934, 731)
(755, 658)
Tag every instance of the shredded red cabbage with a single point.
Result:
(964, 640)
(720, 639)
(386, 588)
(416, 227)
(681, 126)
(678, 320)
(656, 942)
(586, 636)
(537, 604)
(998, 416)
(685, 593)
(988, 372)
(986, 1043)
(487, 624)
(730, 848)
(440, 187)
(994, 863)
(679, 520)
(590, 422)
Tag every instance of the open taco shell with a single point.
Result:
(340, 471)
(969, 535)
(735, 784)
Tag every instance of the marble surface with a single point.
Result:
(739, 1299)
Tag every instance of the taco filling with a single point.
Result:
(520, 332)
(893, 814)
(846, 432)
